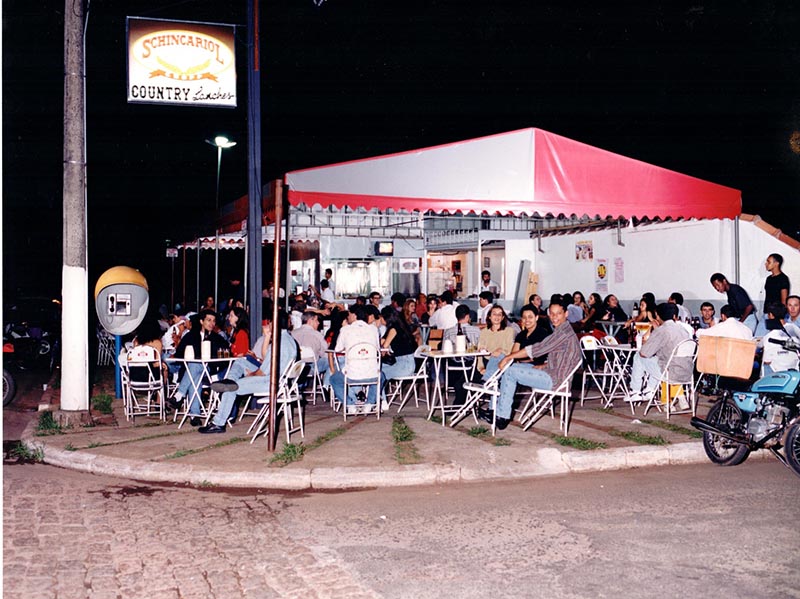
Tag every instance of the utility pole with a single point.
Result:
(74, 276)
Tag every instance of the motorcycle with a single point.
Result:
(767, 416)
(9, 382)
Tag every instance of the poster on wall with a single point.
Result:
(583, 251)
(601, 275)
(619, 270)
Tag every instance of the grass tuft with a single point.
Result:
(404, 449)
(479, 431)
(27, 454)
(70, 447)
(639, 438)
(291, 452)
(501, 442)
(48, 426)
(675, 428)
(578, 443)
(103, 403)
(401, 431)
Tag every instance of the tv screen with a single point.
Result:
(384, 248)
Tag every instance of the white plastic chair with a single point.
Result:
(368, 359)
(105, 348)
(144, 383)
(541, 401)
(288, 394)
(488, 391)
(685, 349)
(420, 376)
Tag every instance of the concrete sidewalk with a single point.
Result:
(363, 453)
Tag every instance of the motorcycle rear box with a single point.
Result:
(725, 356)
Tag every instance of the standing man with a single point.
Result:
(487, 284)
(738, 300)
(326, 294)
(329, 278)
(563, 353)
(776, 287)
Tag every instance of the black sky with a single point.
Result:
(710, 89)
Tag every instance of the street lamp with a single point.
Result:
(221, 143)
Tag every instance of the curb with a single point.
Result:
(545, 462)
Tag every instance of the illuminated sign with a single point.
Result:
(178, 62)
(384, 248)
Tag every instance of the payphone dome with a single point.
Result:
(121, 299)
(120, 275)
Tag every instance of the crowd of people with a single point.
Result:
(539, 346)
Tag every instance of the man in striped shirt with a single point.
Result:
(563, 353)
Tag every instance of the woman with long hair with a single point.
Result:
(498, 336)
(240, 336)
(595, 313)
(401, 341)
(613, 310)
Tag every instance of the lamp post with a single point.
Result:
(221, 143)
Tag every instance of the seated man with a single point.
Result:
(657, 347)
(251, 374)
(358, 330)
(308, 335)
(485, 303)
(456, 374)
(684, 315)
(728, 326)
(707, 319)
(793, 310)
(775, 357)
(563, 353)
(195, 338)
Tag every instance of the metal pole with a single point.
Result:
(197, 305)
(276, 330)
(216, 230)
(172, 287)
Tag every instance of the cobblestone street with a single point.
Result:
(68, 534)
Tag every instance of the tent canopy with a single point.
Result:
(528, 171)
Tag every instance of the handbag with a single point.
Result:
(389, 359)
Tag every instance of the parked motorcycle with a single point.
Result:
(9, 382)
(767, 416)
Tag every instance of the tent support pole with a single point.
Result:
(619, 234)
(539, 243)
(197, 304)
(288, 271)
(736, 248)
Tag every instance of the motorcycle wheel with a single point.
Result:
(792, 448)
(9, 387)
(719, 450)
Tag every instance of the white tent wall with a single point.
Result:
(756, 244)
(662, 258)
(659, 257)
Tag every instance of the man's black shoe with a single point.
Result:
(485, 415)
(211, 428)
(224, 385)
(195, 421)
(173, 403)
(502, 423)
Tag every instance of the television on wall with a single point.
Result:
(384, 248)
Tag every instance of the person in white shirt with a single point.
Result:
(485, 303)
(684, 314)
(328, 277)
(793, 309)
(325, 291)
(358, 330)
(308, 335)
(728, 326)
(445, 316)
(775, 357)
(487, 284)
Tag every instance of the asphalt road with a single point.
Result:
(666, 532)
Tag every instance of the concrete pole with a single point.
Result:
(74, 277)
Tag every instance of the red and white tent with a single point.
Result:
(528, 171)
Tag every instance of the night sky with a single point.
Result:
(711, 89)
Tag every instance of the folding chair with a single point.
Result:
(685, 349)
(488, 391)
(603, 377)
(420, 376)
(288, 394)
(105, 348)
(144, 388)
(367, 358)
(540, 401)
(309, 358)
